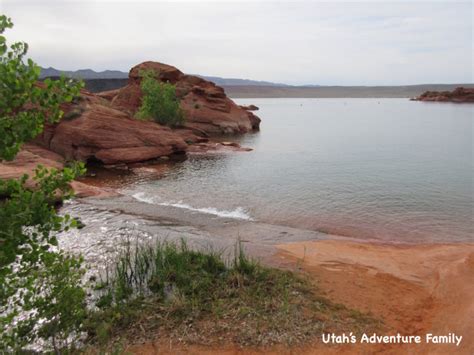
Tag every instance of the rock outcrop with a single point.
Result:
(27, 160)
(206, 106)
(93, 130)
(30, 156)
(100, 127)
(459, 95)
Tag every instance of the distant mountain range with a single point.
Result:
(244, 88)
(87, 74)
(83, 74)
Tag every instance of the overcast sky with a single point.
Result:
(295, 42)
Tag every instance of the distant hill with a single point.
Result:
(83, 74)
(87, 74)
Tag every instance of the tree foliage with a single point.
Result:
(41, 294)
(26, 105)
(159, 101)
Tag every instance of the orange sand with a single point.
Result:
(414, 289)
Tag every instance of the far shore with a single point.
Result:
(257, 91)
(407, 91)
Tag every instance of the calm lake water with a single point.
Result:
(388, 169)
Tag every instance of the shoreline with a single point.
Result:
(374, 92)
(232, 221)
(413, 288)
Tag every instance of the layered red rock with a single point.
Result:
(459, 95)
(93, 130)
(32, 155)
(27, 160)
(205, 105)
(101, 127)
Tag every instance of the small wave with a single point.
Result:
(238, 213)
(140, 196)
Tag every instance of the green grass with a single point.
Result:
(196, 297)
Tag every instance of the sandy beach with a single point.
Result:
(415, 290)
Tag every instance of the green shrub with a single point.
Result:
(159, 101)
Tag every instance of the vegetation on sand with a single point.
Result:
(199, 297)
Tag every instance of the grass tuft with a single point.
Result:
(198, 297)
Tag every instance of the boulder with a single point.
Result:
(100, 128)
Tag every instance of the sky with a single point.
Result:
(293, 42)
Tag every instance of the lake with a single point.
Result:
(385, 169)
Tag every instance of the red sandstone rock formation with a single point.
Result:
(27, 161)
(100, 127)
(93, 130)
(206, 106)
(459, 95)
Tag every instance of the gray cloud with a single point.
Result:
(354, 43)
